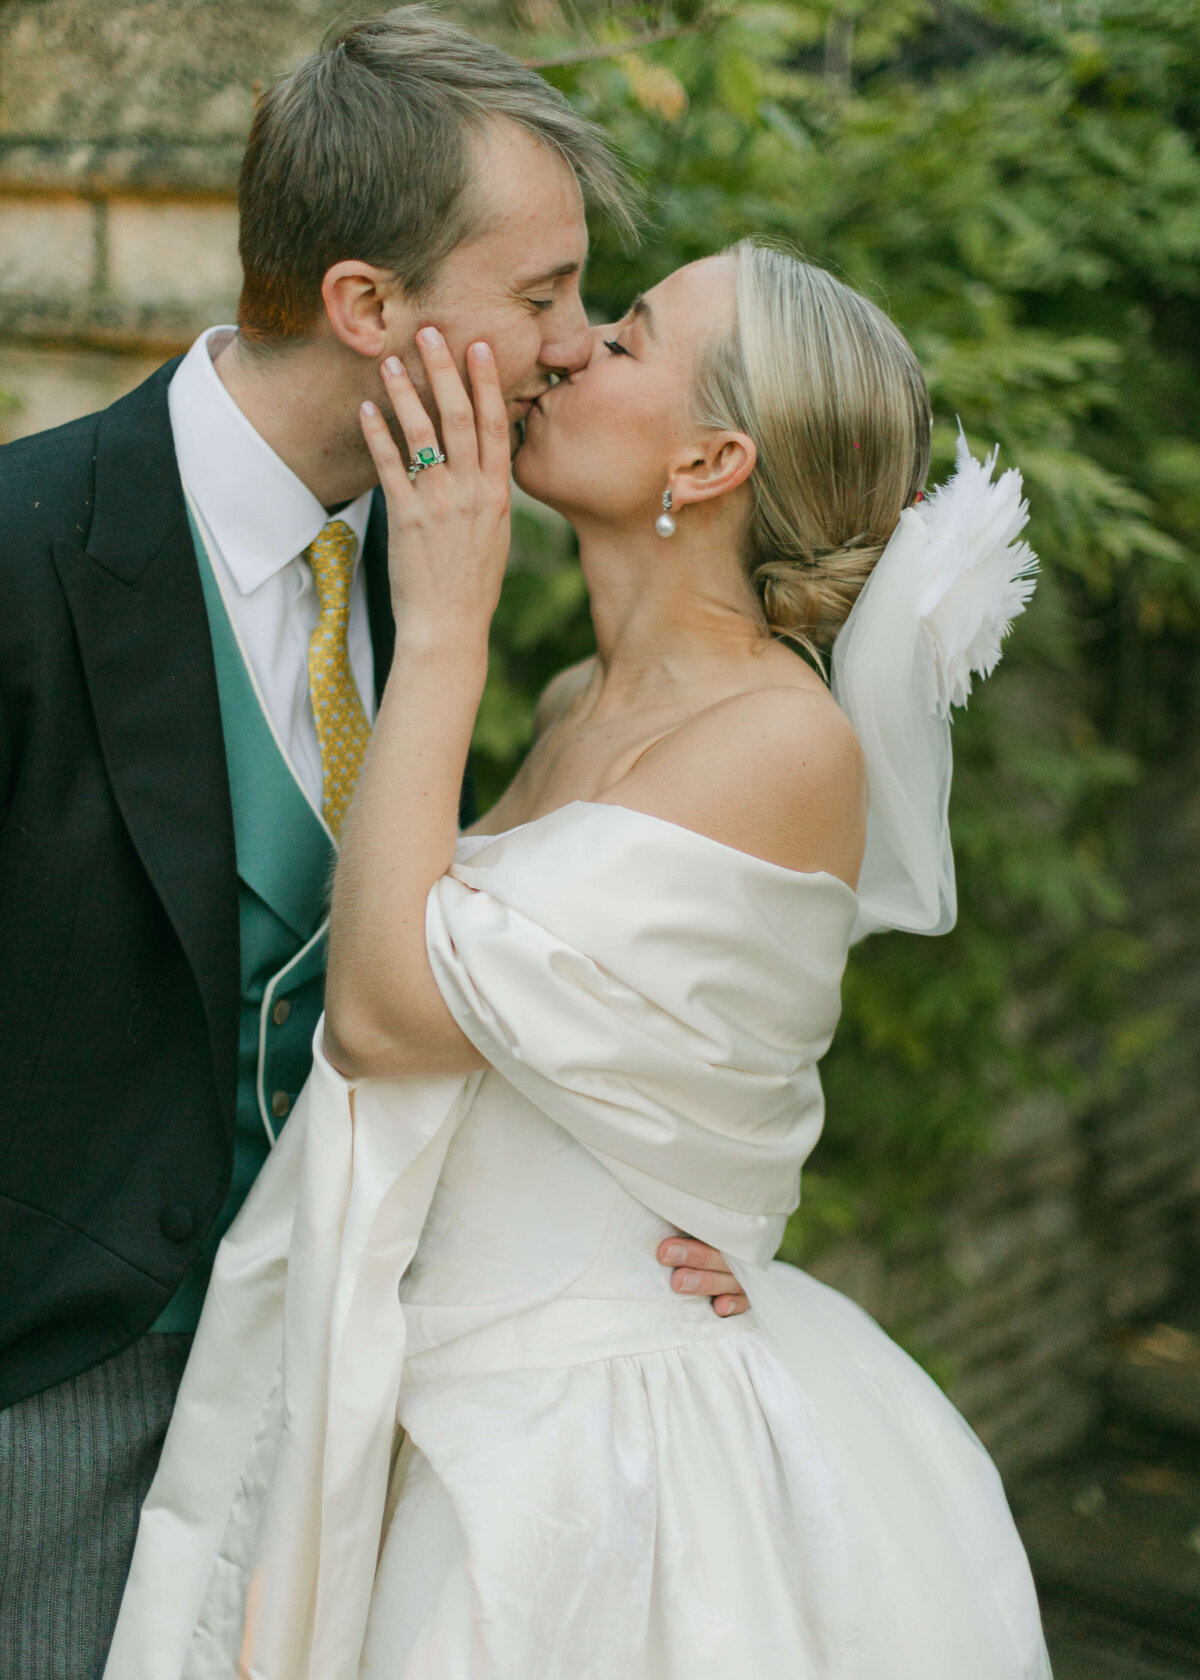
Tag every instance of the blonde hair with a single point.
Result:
(837, 405)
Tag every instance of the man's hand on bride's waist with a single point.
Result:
(700, 1270)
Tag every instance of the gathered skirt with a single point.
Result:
(688, 1513)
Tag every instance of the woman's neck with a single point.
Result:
(670, 615)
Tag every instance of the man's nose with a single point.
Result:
(570, 348)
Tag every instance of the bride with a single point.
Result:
(595, 1022)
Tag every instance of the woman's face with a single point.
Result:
(601, 443)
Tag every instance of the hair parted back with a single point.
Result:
(365, 151)
(837, 405)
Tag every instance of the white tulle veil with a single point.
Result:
(934, 610)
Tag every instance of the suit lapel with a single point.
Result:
(136, 600)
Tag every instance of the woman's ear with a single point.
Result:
(361, 303)
(722, 462)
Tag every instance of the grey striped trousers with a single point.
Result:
(75, 1464)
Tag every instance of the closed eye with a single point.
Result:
(616, 347)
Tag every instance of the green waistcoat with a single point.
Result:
(285, 855)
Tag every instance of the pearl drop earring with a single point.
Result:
(664, 524)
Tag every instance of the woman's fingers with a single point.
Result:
(393, 478)
(454, 405)
(491, 416)
(473, 432)
(408, 408)
(449, 524)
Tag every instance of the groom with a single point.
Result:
(196, 628)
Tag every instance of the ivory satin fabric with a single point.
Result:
(445, 1418)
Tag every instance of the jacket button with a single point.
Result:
(177, 1222)
(280, 1103)
(281, 1012)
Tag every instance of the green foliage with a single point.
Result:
(541, 625)
(1019, 186)
(10, 407)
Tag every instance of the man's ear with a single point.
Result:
(361, 303)
(719, 464)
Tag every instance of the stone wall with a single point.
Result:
(121, 127)
(121, 130)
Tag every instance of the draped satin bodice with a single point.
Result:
(533, 1255)
(571, 1272)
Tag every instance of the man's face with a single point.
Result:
(516, 285)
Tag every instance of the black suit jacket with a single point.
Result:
(119, 972)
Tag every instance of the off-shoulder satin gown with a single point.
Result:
(447, 1420)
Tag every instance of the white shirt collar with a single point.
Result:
(258, 512)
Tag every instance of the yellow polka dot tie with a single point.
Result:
(342, 727)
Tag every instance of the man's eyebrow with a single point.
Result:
(640, 310)
(563, 270)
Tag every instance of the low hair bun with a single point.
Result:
(808, 601)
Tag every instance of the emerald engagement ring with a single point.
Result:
(426, 458)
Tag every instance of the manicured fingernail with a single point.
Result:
(392, 366)
(481, 352)
(686, 1280)
(369, 408)
(675, 1254)
(430, 336)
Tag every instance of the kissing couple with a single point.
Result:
(458, 1405)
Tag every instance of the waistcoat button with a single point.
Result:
(280, 1103)
(176, 1222)
(281, 1012)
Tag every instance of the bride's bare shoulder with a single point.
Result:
(776, 772)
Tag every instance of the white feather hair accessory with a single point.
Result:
(979, 577)
(934, 611)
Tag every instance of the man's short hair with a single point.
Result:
(365, 151)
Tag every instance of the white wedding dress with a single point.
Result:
(446, 1419)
